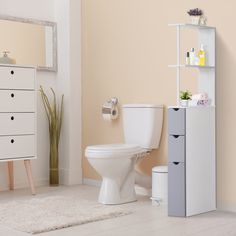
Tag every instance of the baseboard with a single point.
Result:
(143, 191)
(70, 176)
(226, 207)
(139, 190)
(92, 182)
(22, 185)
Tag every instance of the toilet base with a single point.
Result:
(114, 192)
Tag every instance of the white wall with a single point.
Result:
(57, 11)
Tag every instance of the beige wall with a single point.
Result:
(29, 49)
(127, 46)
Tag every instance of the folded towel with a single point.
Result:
(199, 102)
(200, 96)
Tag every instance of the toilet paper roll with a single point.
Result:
(109, 112)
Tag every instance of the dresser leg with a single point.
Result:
(30, 176)
(11, 174)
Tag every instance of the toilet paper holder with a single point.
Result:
(110, 109)
(113, 101)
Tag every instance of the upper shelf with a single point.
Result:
(192, 66)
(192, 26)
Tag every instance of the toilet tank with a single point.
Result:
(142, 124)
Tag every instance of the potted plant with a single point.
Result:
(185, 96)
(195, 15)
(54, 113)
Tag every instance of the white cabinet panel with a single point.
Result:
(200, 160)
(17, 123)
(17, 101)
(13, 147)
(17, 78)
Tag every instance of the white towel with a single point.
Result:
(200, 96)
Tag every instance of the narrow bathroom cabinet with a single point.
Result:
(18, 127)
(191, 137)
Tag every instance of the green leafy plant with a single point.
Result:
(185, 95)
(54, 114)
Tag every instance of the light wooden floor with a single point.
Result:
(146, 220)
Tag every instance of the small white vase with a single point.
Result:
(184, 103)
(195, 20)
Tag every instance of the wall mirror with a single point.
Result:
(29, 42)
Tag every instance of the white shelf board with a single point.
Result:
(193, 107)
(183, 25)
(191, 66)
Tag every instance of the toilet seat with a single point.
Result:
(113, 151)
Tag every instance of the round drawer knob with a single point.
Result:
(12, 72)
(12, 118)
(12, 95)
(12, 140)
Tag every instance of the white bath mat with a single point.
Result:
(39, 215)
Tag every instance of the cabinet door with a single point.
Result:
(17, 78)
(17, 101)
(176, 148)
(176, 189)
(176, 121)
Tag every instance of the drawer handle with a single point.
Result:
(12, 140)
(176, 109)
(12, 72)
(176, 163)
(12, 95)
(175, 136)
(12, 118)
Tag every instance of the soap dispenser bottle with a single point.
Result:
(202, 56)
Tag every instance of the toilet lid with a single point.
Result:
(112, 150)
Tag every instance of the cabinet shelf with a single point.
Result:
(193, 107)
(191, 26)
(191, 66)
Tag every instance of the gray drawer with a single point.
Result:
(176, 189)
(176, 148)
(176, 121)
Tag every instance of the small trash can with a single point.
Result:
(159, 185)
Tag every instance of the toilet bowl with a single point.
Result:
(116, 162)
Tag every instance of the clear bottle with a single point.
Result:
(202, 56)
(192, 57)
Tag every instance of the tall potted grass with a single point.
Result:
(54, 113)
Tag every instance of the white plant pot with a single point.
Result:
(195, 20)
(184, 103)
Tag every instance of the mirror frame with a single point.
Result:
(53, 68)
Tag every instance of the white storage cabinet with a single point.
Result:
(18, 126)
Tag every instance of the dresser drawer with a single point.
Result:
(17, 123)
(176, 121)
(176, 148)
(17, 101)
(17, 78)
(17, 146)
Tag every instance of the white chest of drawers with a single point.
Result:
(18, 109)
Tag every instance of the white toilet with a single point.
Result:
(142, 125)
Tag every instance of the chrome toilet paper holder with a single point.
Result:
(110, 109)
(113, 101)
